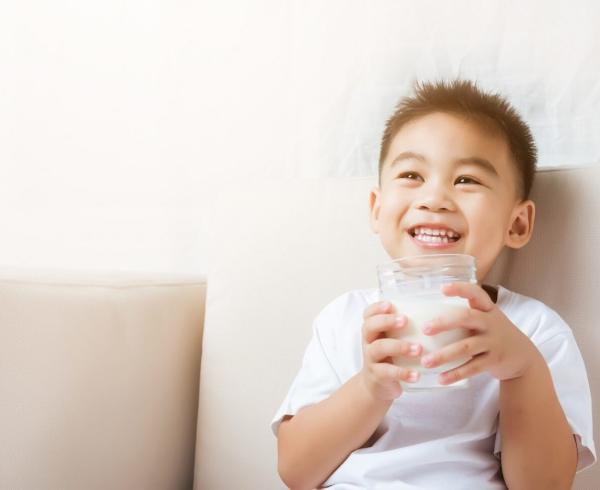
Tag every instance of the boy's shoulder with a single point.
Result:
(513, 301)
(346, 309)
(532, 316)
(352, 300)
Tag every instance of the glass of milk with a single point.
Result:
(413, 285)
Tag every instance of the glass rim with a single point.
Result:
(467, 260)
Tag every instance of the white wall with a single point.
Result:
(119, 119)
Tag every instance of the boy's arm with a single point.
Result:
(538, 447)
(319, 438)
(312, 444)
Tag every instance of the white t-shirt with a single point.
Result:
(443, 439)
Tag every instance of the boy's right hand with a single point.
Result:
(380, 375)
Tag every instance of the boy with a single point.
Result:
(455, 171)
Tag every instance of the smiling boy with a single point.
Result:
(456, 168)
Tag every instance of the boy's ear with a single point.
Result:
(521, 224)
(375, 205)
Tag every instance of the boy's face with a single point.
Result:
(444, 175)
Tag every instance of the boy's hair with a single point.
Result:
(464, 99)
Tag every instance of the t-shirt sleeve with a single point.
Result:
(316, 380)
(572, 388)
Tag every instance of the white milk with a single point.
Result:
(419, 309)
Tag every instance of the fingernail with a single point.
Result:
(414, 348)
(427, 360)
(413, 376)
(400, 321)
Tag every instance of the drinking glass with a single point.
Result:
(413, 285)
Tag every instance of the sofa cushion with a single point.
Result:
(279, 250)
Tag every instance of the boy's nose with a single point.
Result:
(436, 200)
(435, 205)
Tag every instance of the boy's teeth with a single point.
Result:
(432, 239)
(435, 232)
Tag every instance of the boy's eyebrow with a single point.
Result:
(478, 161)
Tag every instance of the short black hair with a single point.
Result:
(464, 99)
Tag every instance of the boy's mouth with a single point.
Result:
(433, 235)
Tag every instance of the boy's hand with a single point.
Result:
(496, 344)
(380, 376)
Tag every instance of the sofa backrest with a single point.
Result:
(282, 249)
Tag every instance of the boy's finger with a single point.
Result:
(374, 326)
(385, 348)
(379, 307)
(475, 366)
(462, 349)
(461, 317)
(390, 372)
(478, 298)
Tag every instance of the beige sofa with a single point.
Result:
(99, 375)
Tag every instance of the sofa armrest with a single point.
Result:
(99, 379)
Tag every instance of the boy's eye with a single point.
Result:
(408, 175)
(463, 179)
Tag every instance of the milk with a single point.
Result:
(419, 309)
(413, 284)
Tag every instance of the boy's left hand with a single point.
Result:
(496, 345)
